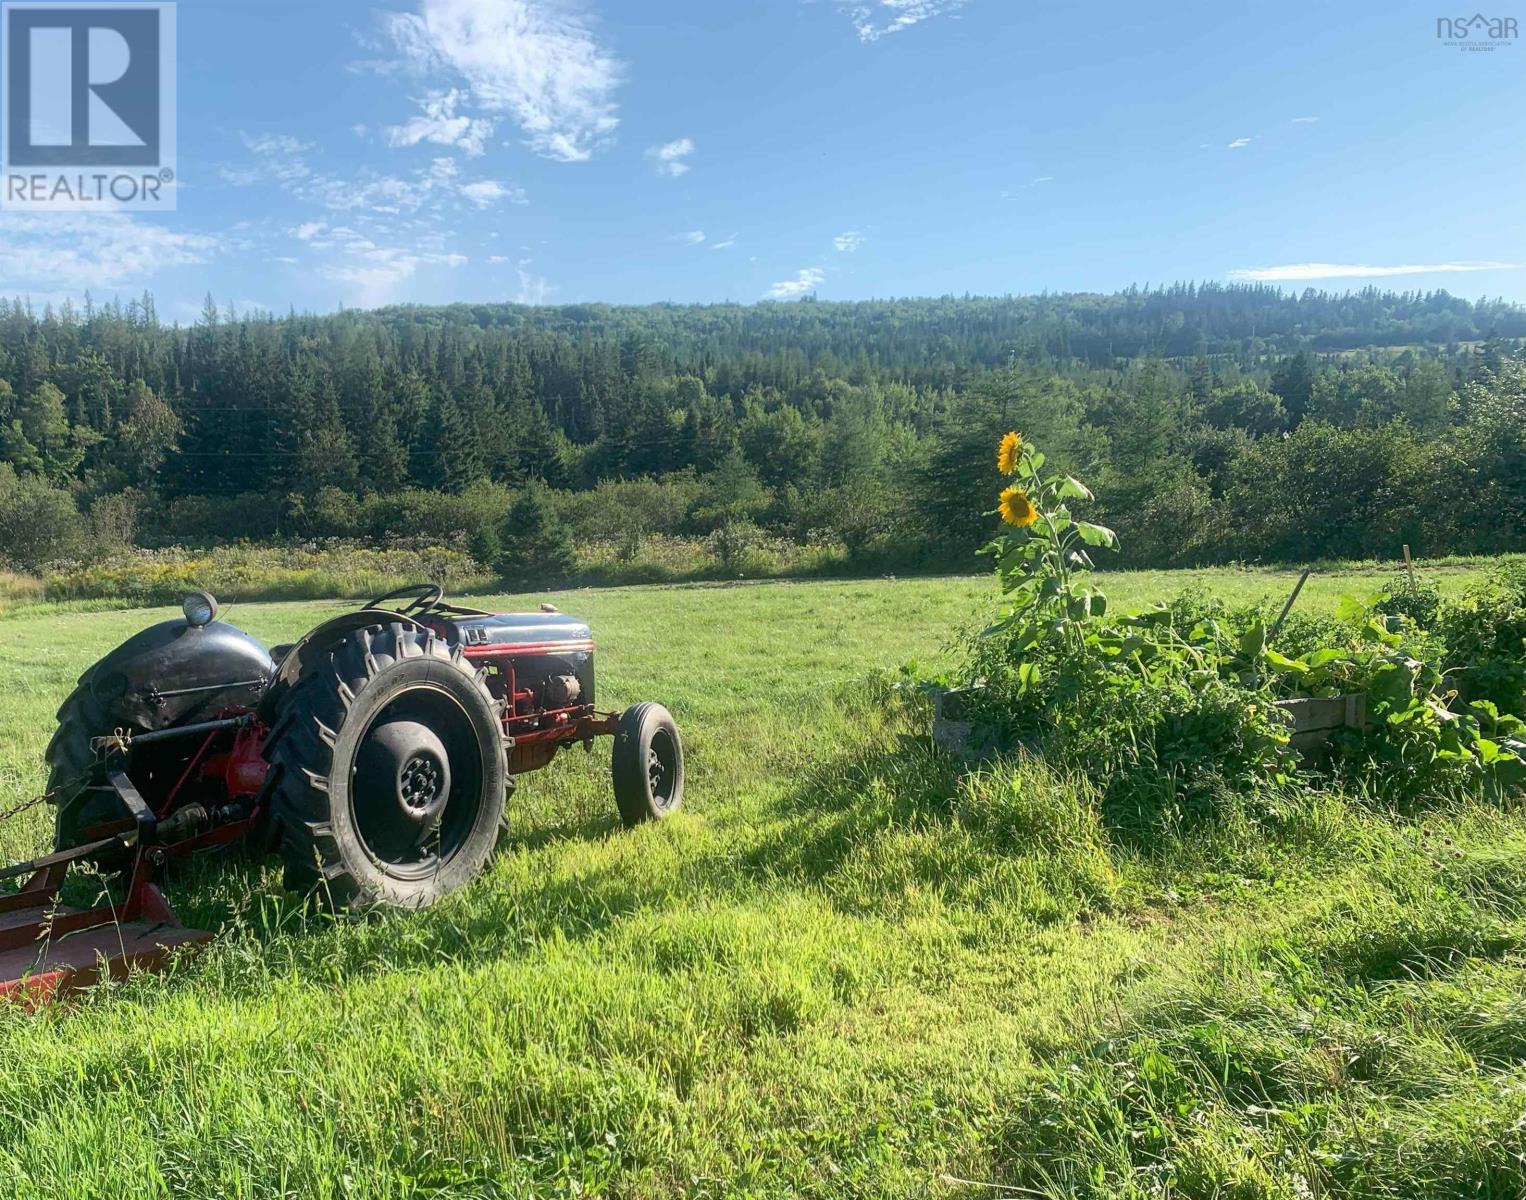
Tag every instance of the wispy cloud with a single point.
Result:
(59, 254)
(874, 19)
(440, 124)
(806, 280)
(283, 161)
(536, 60)
(1239, 143)
(486, 192)
(1304, 120)
(533, 288)
(691, 237)
(1297, 271)
(725, 243)
(1036, 181)
(669, 158)
(848, 242)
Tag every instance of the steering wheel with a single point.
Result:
(425, 595)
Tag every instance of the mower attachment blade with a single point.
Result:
(48, 949)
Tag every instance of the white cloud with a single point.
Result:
(693, 237)
(533, 289)
(724, 243)
(283, 162)
(308, 230)
(57, 253)
(848, 242)
(1304, 120)
(1239, 143)
(536, 60)
(440, 124)
(873, 19)
(372, 274)
(485, 192)
(1044, 179)
(807, 279)
(668, 158)
(1297, 271)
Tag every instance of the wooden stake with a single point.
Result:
(1409, 566)
(1288, 607)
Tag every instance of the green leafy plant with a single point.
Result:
(1174, 710)
(1043, 565)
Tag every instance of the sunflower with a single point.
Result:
(1006, 454)
(1016, 508)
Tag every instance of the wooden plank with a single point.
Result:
(1314, 718)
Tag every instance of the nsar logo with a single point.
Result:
(1477, 32)
(87, 108)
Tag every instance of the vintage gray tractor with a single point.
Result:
(376, 755)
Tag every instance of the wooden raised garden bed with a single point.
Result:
(1312, 721)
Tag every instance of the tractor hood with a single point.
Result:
(531, 632)
(174, 672)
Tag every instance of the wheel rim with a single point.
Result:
(662, 768)
(416, 784)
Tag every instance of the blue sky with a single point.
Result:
(701, 150)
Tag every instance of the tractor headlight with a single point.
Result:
(199, 608)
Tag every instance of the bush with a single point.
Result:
(1484, 632)
(1417, 601)
(113, 522)
(38, 523)
(625, 512)
(207, 520)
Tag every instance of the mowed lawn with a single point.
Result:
(847, 968)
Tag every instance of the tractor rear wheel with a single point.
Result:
(389, 775)
(81, 718)
(647, 764)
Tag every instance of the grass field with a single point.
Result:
(846, 969)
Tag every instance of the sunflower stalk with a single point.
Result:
(1041, 557)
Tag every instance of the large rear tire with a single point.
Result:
(388, 767)
(647, 764)
(81, 718)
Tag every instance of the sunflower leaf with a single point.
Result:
(1096, 535)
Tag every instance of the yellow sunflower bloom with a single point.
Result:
(1016, 508)
(1006, 454)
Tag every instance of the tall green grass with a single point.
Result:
(851, 967)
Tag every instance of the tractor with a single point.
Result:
(376, 756)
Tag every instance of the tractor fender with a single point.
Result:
(318, 639)
(175, 672)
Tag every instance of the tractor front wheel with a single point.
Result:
(389, 772)
(647, 764)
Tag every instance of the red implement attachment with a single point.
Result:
(48, 948)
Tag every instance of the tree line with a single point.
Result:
(1221, 421)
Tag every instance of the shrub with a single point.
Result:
(625, 512)
(1485, 636)
(38, 522)
(1419, 601)
(113, 522)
